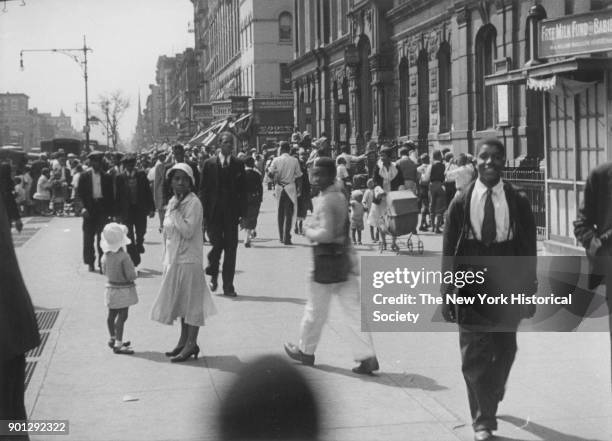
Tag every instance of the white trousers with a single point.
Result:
(317, 311)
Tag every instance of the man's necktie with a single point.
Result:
(225, 162)
(489, 227)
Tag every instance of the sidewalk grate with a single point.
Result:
(29, 370)
(44, 336)
(46, 319)
(26, 234)
(39, 220)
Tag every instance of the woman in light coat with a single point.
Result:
(183, 293)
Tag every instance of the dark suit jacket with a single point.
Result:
(209, 188)
(595, 215)
(254, 186)
(18, 327)
(145, 196)
(524, 241)
(85, 192)
(395, 183)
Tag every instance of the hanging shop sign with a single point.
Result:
(575, 34)
(274, 129)
(202, 112)
(240, 104)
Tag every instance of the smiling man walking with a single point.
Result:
(491, 218)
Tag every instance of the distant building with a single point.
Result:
(14, 119)
(27, 127)
(152, 116)
(186, 93)
(165, 79)
(244, 49)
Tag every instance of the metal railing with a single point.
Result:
(532, 183)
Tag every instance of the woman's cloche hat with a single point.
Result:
(114, 236)
(184, 168)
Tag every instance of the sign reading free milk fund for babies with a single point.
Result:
(407, 294)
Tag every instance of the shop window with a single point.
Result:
(486, 50)
(404, 84)
(285, 28)
(445, 92)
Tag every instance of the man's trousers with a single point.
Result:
(93, 224)
(12, 389)
(486, 359)
(317, 311)
(223, 235)
(285, 216)
(136, 223)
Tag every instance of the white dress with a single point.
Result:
(183, 291)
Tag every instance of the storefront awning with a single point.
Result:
(558, 85)
(568, 65)
(202, 137)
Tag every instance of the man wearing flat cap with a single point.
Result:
(95, 191)
(134, 203)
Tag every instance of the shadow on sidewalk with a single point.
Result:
(281, 246)
(270, 299)
(407, 381)
(540, 431)
(147, 273)
(225, 363)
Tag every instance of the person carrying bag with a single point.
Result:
(336, 274)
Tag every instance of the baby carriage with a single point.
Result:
(401, 218)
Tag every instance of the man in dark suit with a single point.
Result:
(223, 196)
(490, 219)
(593, 229)
(95, 192)
(134, 204)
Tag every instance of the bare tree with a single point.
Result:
(113, 106)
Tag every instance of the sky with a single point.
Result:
(126, 36)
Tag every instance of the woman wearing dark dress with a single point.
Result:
(304, 200)
(253, 182)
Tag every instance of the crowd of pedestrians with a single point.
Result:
(199, 194)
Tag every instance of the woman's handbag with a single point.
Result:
(331, 263)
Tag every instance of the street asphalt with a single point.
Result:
(559, 388)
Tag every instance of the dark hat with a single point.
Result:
(118, 155)
(129, 158)
(95, 155)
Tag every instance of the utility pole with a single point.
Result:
(82, 61)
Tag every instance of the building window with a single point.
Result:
(404, 83)
(285, 27)
(445, 92)
(486, 50)
(285, 78)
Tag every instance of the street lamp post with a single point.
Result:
(83, 63)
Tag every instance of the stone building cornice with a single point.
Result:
(407, 9)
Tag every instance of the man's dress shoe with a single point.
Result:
(294, 352)
(367, 366)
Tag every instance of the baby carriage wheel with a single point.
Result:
(420, 247)
(409, 245)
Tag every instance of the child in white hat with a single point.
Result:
(120, 287)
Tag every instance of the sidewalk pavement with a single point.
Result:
(559, 389)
